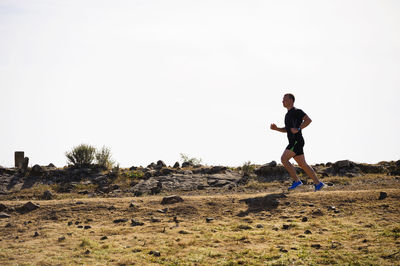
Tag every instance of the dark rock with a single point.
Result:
(79, 203)
(171, 199)
(87, 252)
(60, 239)
(259, 226)
(87, 227)
(111, 208)
(133, 168)
(167, 171)
(51, 165)
(272, 164)
(47, 195)
(176, 165)
(382, 195)
(4, 215)
(307, 232)
(286, 226)
(244, 227)
(36, 234)
(183, 232)
(80, 226)
(187, 164)
(160, 164)
(2, 207)
(330, 184)
(69, 223)
(304, 219)
(104, 238)
(136, 223)
(77, 222)
(155, 253)
(120, 221)
(335, 244)
(27, 207)
(8, 225)
(36, 170)
(317, 212)
(209, 219)
(155, 220)
(316, 246)
(283, 250)
(151, 166)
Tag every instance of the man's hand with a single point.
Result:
(294, 130)
(273, 127)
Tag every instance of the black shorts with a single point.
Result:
(296, 146)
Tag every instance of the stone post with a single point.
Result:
(19, 159)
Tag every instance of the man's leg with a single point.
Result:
(301, 161)
(286, 156)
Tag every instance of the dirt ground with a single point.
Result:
(349, 223)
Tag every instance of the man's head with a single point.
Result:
(288, 100)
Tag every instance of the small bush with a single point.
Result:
(103, 158)
(192, 161)
(247, 168)
(82, 154)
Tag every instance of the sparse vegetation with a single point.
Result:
(192, 161)
(83, 154)
(103, 158)
(248, 168)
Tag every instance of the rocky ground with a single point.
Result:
(156, 178)
(200, 215)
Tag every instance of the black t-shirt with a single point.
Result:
(293, 119)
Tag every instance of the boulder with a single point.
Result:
(160, 164)
(27, 207)
(171, 199)
(36, 170)
(176, 165)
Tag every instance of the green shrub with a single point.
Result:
(103, 158)
(247, 168)
(192, 161)
(82, 154)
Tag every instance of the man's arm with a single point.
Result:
(304, 124)
(280, 129)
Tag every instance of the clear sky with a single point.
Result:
(151, 79)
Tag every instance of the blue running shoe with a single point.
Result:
(319, 186)
(295, 184)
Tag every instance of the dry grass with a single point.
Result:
(364, 231)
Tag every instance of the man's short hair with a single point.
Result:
(291, 96)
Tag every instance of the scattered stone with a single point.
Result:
(183, 232)
(304, 219)
(80, 226)
(69, 223)
(382, 195)
(79, 203)
(2, 207)
(317, 212)
(4, 215)
(47, 195)
(335, 244)
(112, 208)
(244, 227)
(155, 253)
(283, 250)
(132, 205)
(287, 203)
(36, 170)
(51, 165)
(259, 226)
(307, 232)
(316, 246)
(162, 210)
(136, 250)
(155, 220)
(60, 239)
(120, 221)
(275, 228)
(8, 225)
(365, 241)
(331, 208)
(77, 222)
(286, 226)
(87, 227)
(87, 252)
(330, 184)
(36, 234)
(301, 236)
(104, 238)
(176, 165)
(136, 223)
(209, 219)
(171, 199)
(27, 207)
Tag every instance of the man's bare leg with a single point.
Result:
(301, 161)
(286, 156)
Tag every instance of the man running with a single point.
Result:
(295, 121)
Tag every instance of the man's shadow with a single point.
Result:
(258, 204)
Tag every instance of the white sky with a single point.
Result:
(152, 79)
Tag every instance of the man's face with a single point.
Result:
(287, 101)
